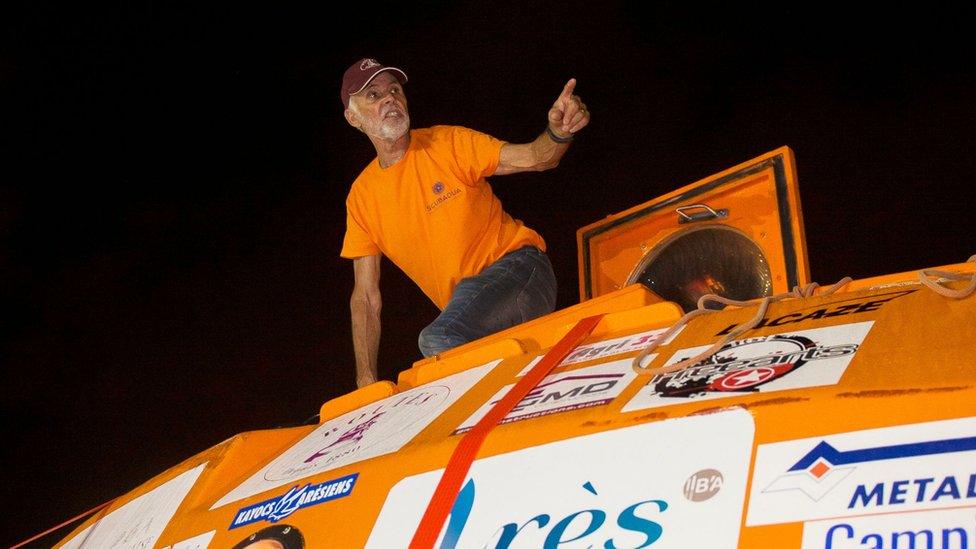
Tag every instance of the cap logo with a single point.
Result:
(368, 64)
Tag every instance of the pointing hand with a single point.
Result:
(568, 114)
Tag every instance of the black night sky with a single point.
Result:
(173, 185)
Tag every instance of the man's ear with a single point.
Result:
(352, 117)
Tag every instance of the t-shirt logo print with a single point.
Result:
(442, 197)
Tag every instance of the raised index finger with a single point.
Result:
(568, 89)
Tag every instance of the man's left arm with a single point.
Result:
(567, 116)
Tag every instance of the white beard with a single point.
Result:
(387, 128)
(392, 129)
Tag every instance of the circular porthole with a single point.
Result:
(710, 259)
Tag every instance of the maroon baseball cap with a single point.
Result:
(361, 73)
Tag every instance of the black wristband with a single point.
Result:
(556, 138)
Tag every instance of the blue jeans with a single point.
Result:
(516, 288)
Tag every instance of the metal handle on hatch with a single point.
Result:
(699, 216)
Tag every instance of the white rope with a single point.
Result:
(797, 292)
(937, 277)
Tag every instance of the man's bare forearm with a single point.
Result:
(365, 337)
(567, 116)
(535, 156)
(365, 307)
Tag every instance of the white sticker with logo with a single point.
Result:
(376, 429)
(792, 360)
(656, 483)
(955, 528)
(894, 469)
(562, 392)
(609, 347)
(140, 522)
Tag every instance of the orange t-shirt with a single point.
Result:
(432, 213)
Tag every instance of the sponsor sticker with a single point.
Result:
(140, 522)
(949, 529)
(562, 392)
(650, 484)
(373, 430)
(280, 507)
(792, 360)
(609, 347)
(894, 469)
(703, 484)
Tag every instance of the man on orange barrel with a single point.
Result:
(424, 203)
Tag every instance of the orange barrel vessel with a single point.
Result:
(828, 418)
